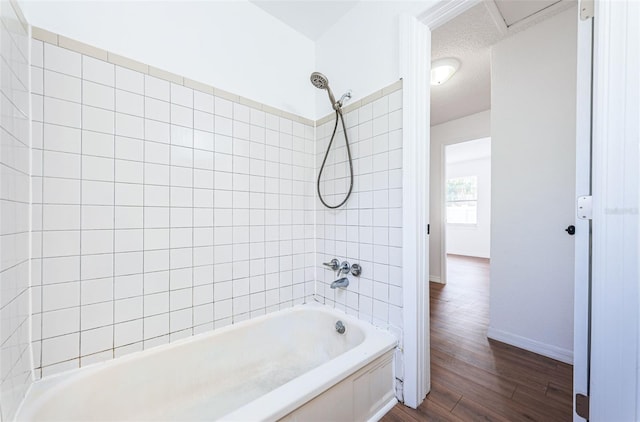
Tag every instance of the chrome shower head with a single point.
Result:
(319, 80)
(322, 82)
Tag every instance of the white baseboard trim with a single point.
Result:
(548, 350)
(384, 410)
(435, 278)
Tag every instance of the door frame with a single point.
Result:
(415, 68)
(582, 288)
(615, 300)
(443, 213)
(415, 37)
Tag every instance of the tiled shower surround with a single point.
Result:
(162, 208)
(368, 229)
(159, 211)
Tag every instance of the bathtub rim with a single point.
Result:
(265, 408)
(46, 387)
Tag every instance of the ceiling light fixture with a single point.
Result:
(442, 70)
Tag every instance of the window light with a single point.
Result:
(462, 200)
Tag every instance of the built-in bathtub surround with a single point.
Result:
(368, 229)
(161, 210)
(15, 359)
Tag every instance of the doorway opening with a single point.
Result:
(466, 202)
(528, 163)
(541, 121)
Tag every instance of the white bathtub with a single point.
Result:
(289, 365)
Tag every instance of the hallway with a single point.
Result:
(473, 378)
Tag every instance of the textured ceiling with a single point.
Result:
(468, 38)
(311, 18)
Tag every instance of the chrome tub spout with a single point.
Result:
(342, 282)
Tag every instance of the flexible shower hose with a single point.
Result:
(346, 138)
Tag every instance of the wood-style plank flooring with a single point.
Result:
(476, 379)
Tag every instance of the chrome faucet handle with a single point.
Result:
(334, 264)
(356, 270)
(345, 267)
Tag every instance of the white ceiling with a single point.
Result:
(311, 18)
(470, 150)
(468, 38)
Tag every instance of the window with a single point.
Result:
(462, 200)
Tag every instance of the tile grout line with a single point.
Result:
(56, 151)
(233, 119)
(144, 162)
(193, 123)
(36, 360)
(42, 223)
(264, 211)
(214, 241)
(213, 222)
(113, 240)
(79, 231)
(170, 214)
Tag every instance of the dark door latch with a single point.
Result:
(571, 230)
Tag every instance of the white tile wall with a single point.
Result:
(368, 229)
(159, 211)
(15, 373)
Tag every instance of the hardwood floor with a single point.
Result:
(473, 378)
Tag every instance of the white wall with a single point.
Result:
(231, 45)
(472, 240)
(361, 51)
(464, 129)
(533, 170)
